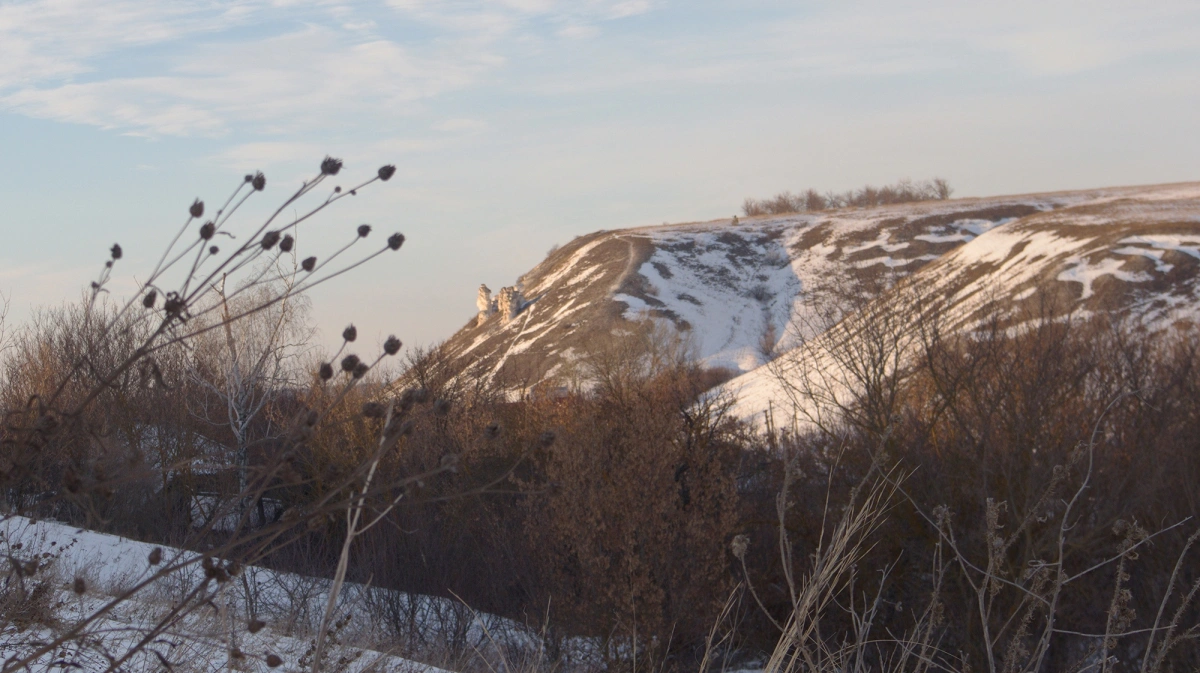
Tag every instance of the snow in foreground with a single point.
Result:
(290, 606)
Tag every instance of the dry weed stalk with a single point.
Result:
(172, 308)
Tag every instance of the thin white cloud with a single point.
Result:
(56, 59)
(311, 79)
(460, 125)
(52, 39)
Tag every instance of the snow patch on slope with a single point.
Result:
(732, 290)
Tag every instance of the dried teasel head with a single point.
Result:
(350, 333)
(207, 230)
(273, 661)
(155, 556)
(350, 362)
(325, 371)
(213, 250)
(150, 298)
(197, 209)
(360, 370)
(259, 182)
(287, 243)
(363, 230)
(115, 250)
(395, 241)
(255, 625)
(79, 586)
(330, 166)
(392, 345)
(386, 172)
(309, 264)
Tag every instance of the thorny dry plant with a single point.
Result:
(184, 296)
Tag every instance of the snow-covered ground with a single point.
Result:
(205, 639)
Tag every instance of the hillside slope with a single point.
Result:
(742, 294)
(1132, 253)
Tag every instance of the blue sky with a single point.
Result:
(519, 124)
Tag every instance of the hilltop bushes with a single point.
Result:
(904, 191)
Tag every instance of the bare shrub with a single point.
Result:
(904, 191)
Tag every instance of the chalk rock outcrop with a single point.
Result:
(485, 304)
(508, 303)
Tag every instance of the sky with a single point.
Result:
(516, 125)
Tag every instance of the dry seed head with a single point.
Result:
(258, 182)
(391, 346)
(360, 370)
(174, 304)
(197, 209)
(269, 239)
(116, 251)
(363, 230)
(149, 299)
(255, 626)
(213, 250)
(350, 333)
(738, 546)
(330, 166)
(79, 586)
(309, 264)
(349, 363)
(326, 371)
(249, 177)
(386, 172)
(155, 556)
(286, 244)
(395, 241)
(235, 653)
(207, 230)
(273, 661)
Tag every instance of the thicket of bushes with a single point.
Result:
(637, 510)
(904, 191)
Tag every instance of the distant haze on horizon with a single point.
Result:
(519, 124)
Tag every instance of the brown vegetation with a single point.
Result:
(904, 191)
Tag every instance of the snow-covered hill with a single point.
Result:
(1130, 252)
(744, 293)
